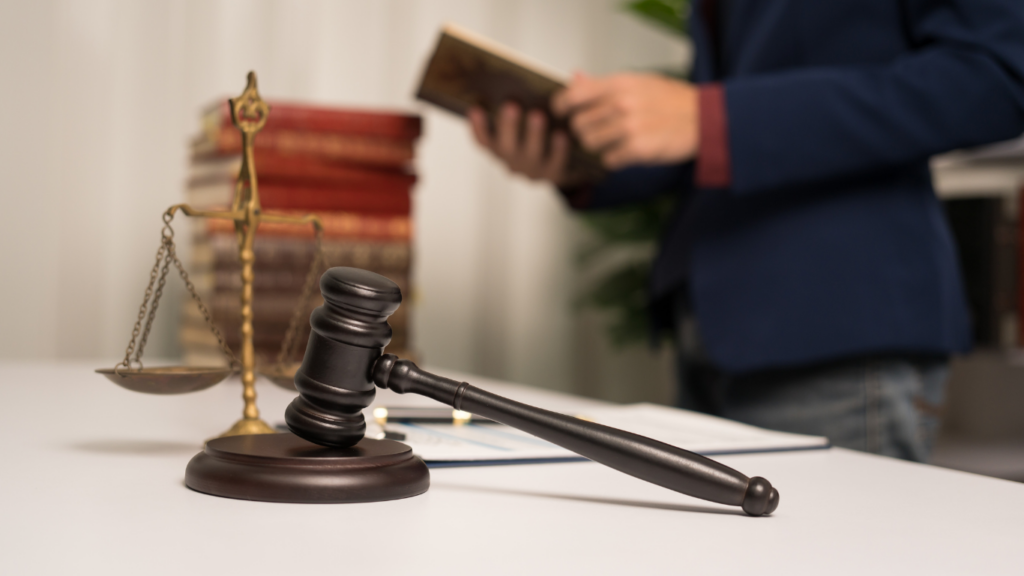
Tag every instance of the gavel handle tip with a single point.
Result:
(761, 499)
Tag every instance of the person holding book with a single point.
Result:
(808, 243)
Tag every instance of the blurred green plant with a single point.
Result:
(624, 238)
(619, 254)
(671, 15)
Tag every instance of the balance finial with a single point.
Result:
(248, 111)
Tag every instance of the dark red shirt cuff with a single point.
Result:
(714, 168)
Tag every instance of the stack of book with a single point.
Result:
(351, 168)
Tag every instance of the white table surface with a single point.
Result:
(93, 483)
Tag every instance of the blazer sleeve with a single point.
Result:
(963, 86)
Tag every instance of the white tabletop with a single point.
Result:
(92, 483)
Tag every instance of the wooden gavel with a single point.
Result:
(343, 362)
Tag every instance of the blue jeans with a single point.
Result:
(885, 405)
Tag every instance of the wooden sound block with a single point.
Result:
(286, 468)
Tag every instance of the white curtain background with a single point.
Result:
(98, 100)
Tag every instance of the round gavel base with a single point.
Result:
(286, 468)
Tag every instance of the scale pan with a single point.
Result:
(283, 376)
(166, 379)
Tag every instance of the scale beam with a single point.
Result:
(236, 215)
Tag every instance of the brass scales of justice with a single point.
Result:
(249, 114)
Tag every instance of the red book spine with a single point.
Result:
(277, 165)
(277, 197)
(336, 225)
(318, 119)
(335, 147)
(291, 196)
(273, 167)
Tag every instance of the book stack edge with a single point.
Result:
(352, 168)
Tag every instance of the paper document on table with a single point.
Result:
(701, 433)
(471, 443)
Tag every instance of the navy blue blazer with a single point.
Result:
(830, 242)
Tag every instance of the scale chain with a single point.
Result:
(127, 362)
(232, 359)
(167, 254)
(155, 303)
(290, 344)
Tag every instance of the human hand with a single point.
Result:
(528, 151)
(631, 119)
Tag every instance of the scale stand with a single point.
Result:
(249, 114)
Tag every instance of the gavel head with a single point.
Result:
(349, 333)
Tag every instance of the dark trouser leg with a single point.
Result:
(698, 379)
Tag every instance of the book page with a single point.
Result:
(494, 443)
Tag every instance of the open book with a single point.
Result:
(468, 70)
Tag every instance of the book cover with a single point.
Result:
(380, 152)
(277, 168)
(303, 117)
(347, 225)
(468, 70)
(278, 196)
(287, 253)
(269, 280)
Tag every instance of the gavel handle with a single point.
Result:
(644, 458)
